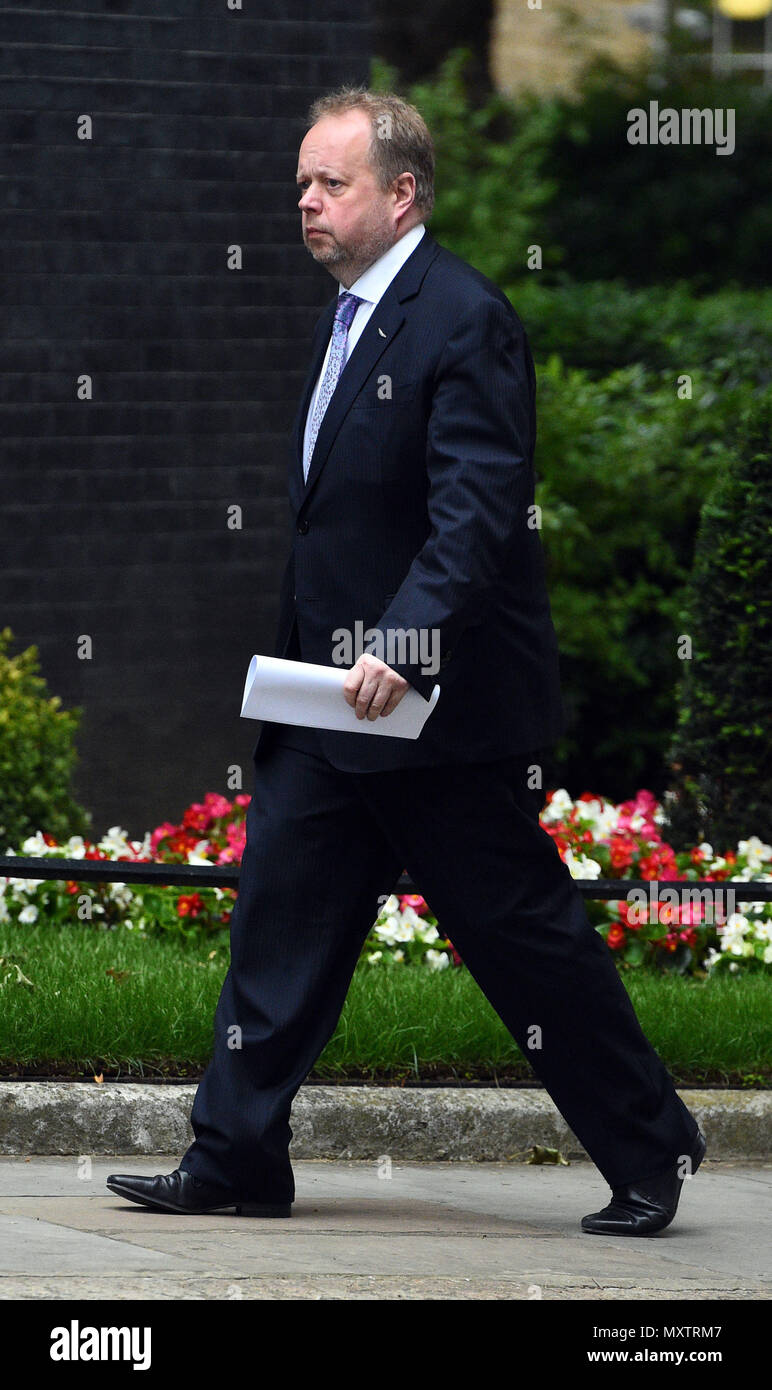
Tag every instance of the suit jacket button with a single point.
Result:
(302, 528)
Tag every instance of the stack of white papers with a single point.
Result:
(298, 692)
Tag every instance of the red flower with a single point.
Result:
(616, 936)
(625, 910)
(621, 851)
(197, 817)
(189, 904)
(454, 953)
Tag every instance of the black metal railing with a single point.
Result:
(227, 876)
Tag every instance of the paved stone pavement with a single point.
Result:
(429, 1231)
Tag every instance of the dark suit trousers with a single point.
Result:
(321, 846)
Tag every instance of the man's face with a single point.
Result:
(348, 221)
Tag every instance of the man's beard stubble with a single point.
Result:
(348, 263)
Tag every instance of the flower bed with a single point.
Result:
(595, 838)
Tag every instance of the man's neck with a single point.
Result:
(352, 273)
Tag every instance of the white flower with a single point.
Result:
(120, 894)
(559, 806)
(767, 957)
(390, 906)
(387, 932)
(755, 851)
(374, 957)
(115, 842)
(436, 960)
(706, 850)
(429, 933)
(4, 913)
(35, 844)
(736, 925)
(28, 913)
(606, 823)
(398, 955)
(75, 847)
(582, 867)
(411, 918)
(404, 931)
(196, 857)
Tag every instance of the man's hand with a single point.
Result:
(372, 688)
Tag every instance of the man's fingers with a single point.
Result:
(373, 689)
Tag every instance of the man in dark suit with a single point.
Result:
(411, 490)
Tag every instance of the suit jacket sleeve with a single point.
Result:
(480, 443)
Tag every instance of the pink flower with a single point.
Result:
(161, 833)
(415, 901)
(642, 810)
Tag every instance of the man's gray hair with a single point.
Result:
(400, 141)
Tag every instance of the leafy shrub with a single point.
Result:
(624, 464)
(37, 752)
(603, 325)
(559, 172)
(722, 751)
(653, 213)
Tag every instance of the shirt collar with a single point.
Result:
(374, 281)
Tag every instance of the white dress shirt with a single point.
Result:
(370, 287)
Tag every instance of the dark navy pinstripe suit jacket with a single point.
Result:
(417, 514)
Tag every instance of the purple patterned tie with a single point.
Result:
(345, 310)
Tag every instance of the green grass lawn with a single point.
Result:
(399, 1024)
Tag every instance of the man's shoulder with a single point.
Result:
(456, 289)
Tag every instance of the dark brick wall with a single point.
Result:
(114, 255)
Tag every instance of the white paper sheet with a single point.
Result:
(299, 692)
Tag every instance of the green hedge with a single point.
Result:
(624, 466)
(37, 753)
(722, 749)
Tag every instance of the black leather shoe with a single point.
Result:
(183, 1192)
(642, 1208)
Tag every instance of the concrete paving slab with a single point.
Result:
(429, 1231)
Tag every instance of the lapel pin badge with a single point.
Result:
(383, 335)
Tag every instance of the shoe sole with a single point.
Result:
(241, 1208)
